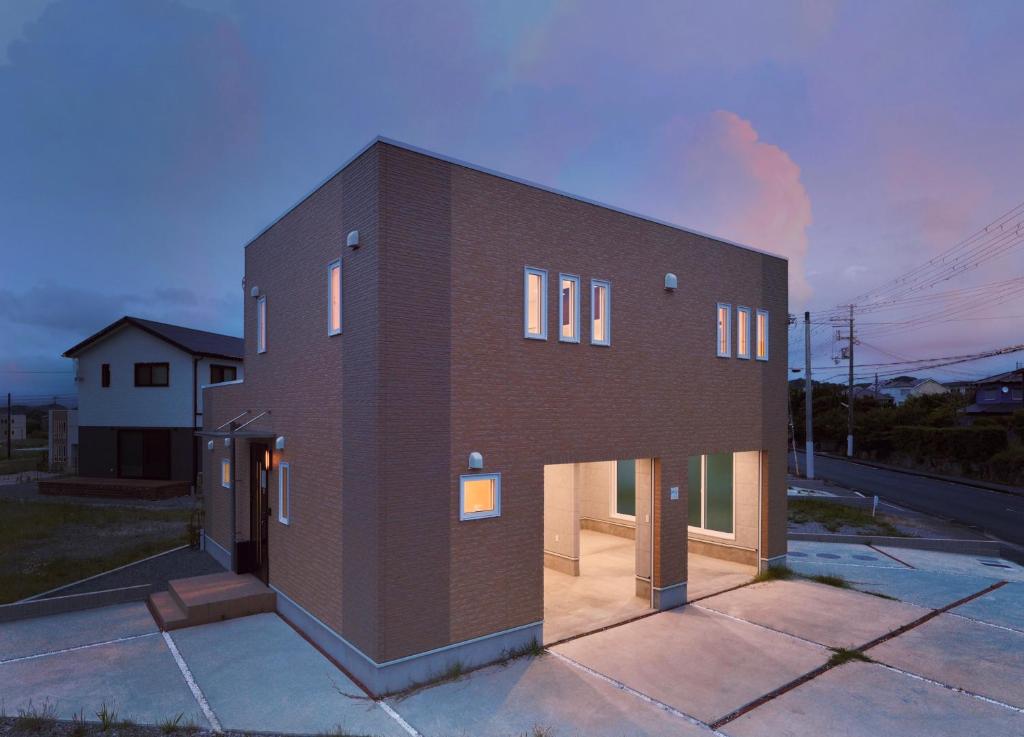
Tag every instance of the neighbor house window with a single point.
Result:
(724, 323)
(600, 312)
(225, 473)
(624, 500)
(568, 308)
(479, 496)
(284, 492)
(334, 297)
(219, 373)
(762, 336)
(710, 493)
(535, 304)
(261, 325)
(743, 332)
(105, 375)
(152, 374)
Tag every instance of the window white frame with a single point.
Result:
(543, 274)
(757, 335)
(225, 473)
(575, 307)
(261, 324)
(496, 512)
(743, 333)
(723, 344)
(701, 529)
(331, 267)
(284, 492)
(607, 286)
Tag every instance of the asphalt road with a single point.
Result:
(995, 513)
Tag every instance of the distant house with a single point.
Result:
(18, 427)
(997, 395)
(963, 388)
(140, 397)
(62, 440)
(870, 392)
(903, 387)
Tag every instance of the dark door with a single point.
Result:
(144, 454)
(259, 509)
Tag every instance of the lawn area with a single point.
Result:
(840, 518)
(46, 544)
(19, 462)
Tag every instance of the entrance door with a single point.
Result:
(144, 454)
(259, 510)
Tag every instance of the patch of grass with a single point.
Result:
(169, 725)
(78, 726)
(34, 719)
(107, 717)
(531, 650)
(455, 671)
(881, 596)
(539, 730)
(829, 580)
(833, 517)
(841, 655)
(775, 573)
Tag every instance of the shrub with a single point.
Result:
(1008, 465)
(963, 444)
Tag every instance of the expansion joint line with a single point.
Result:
(197, 692)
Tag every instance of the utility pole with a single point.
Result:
(10, 428)
(808, 396)
(849, 414)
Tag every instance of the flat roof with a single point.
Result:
(510, 178)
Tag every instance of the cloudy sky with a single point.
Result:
(144, 142)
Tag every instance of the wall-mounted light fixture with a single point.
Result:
(227, 442)
(671, 282)
(254, 292)
(209, 445)
(476, 461)
(279, 443)
(353, 239)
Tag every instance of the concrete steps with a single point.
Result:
(211, 598)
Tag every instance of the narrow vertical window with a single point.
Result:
(284, 492)
(105, 375)
(261, 325)
(334, 297)
(743, 332)
(535, 304)
(600, 312)
(724, 325)
(762, 335)
(225, 473)
(624, 499)
(568, 308)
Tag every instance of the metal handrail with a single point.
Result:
(221, 427)
(246, 424)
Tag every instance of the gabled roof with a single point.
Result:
(190, 340)
(904, 382)
(1008, 377)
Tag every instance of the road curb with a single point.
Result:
(993, 548)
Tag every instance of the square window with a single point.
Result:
(152, 374)
(762, 336)
(334, 297)
(743, 332)
(219, 374)
(535, 304)
(568, 308)
(724, 330)
(479, 496)
(600, 312)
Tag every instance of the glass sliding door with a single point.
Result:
(711, 494)
(625, 489)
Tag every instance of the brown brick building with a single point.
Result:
(467, 396)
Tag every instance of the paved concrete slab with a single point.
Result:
(74, 629)
(536, 694)
(706, 576)
(924, 588)
(867, 700)
(702, 663)
(137, 678)
(976, 657)
(824, 614)
(258, 674)
(801, 551)
(956, 563)
(1004, 607)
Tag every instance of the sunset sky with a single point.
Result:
(143, 143)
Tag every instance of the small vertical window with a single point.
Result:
(724, 324)
(334, 297)
(762, 336)
(568, 308)
(284, 492)
(600, 312)
(225, 473)
(535, 304)
(105, 375)
(261, 325)
(742, 332)
(479, 496)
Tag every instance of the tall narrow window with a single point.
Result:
(479, 496)
(710, 482)
(762, 335)
(600, 312)
(535, 304)
(334, 297)
(624, 501)
(743, 332)
(105, 375)
(724, 324)
(225, 473)
(284, 492)
(261, 325)
(568, 308)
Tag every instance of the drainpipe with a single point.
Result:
(195, 426)
(234, 510)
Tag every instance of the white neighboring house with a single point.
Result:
(140, 396)
(62, 440)
(903, 387)
(18, 427)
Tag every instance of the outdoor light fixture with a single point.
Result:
(254, 292)
(476, 461)
(671, 282)
(209, 445)
(279, 443)
(353, 239)
(227, 442)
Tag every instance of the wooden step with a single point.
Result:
(212, 598)
(166, 612)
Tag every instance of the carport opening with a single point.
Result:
(597, 544)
